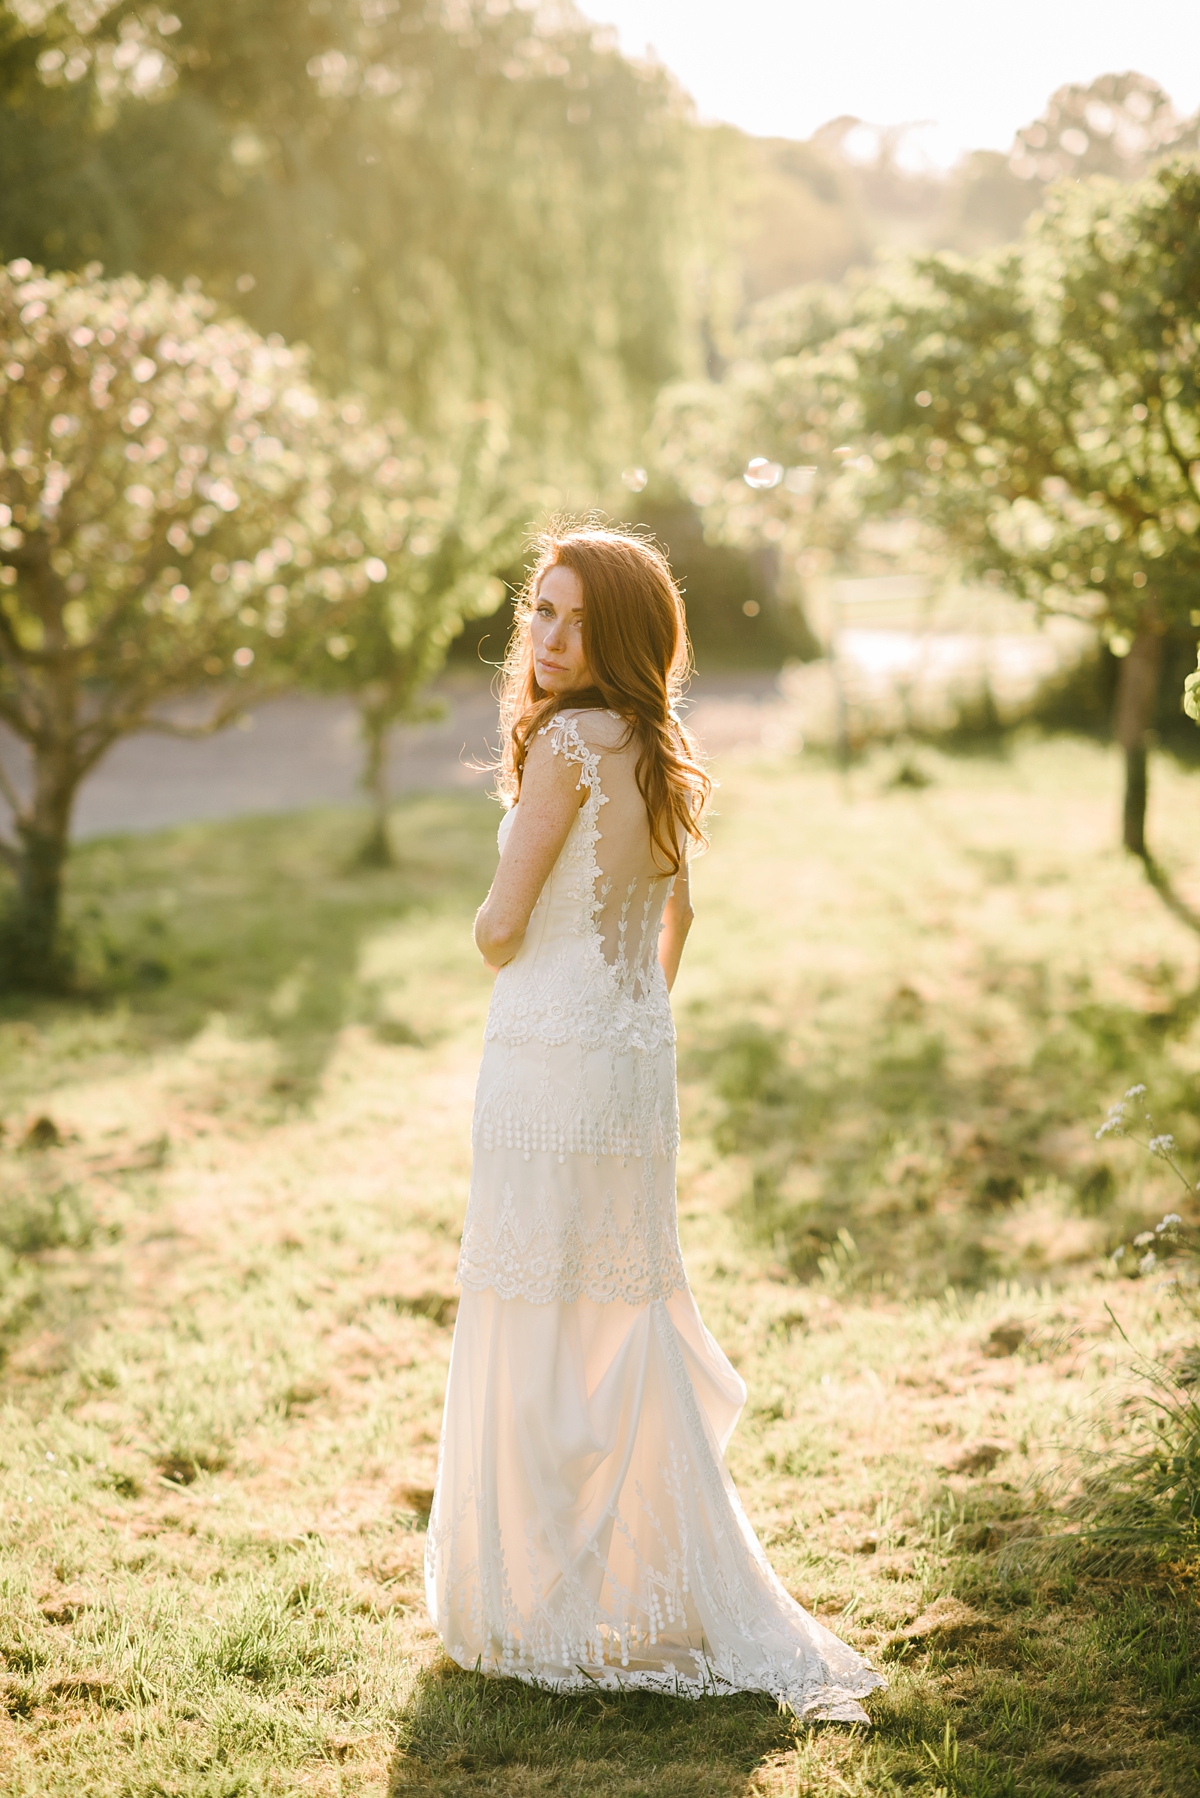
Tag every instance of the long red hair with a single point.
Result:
(636, 644)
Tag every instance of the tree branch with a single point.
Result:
(1184, 465)
(33, 658)
(141, 718)
(224, 714)
(11, 715)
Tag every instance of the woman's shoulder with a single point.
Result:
(593, 728)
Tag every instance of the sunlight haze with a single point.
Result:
(973, 74)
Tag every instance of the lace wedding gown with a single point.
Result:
(585, 1530)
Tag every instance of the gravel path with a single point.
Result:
(303, 750)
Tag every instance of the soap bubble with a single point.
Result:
(762, 474)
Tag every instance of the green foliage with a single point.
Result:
(447, 203)
(1044, 406)
(1146, 1494)
(816, 211)
(1039, 407)
(1033, 416)
(740, 612)
(167, 487)
(1118, 125)
(178, 508)
(446, 524)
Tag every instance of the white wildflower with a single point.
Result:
(1114, 1123)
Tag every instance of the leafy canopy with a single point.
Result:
(1038, 409)
(175, 499)
(1043, 405)
(448, 202)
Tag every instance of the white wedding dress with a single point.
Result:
(585, 1530)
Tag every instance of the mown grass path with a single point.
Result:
(226, 1297)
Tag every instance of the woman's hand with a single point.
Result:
(550, 800)
(677, 921)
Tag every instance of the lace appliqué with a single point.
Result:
(566, 1246)
(578, 1102)
(578, 1071)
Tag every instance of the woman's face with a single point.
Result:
(556, 631)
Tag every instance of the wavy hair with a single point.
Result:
(636, 644)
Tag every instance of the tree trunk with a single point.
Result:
(1137, 694)
(376, 851)
(33, 956)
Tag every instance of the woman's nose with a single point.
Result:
(553, 638)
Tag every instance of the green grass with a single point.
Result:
(226, 1291)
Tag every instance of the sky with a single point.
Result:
(972, 72)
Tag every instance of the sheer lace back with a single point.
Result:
(631, 889)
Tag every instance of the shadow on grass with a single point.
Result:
(259, 921)
(1174, 901)
(462, 1732)
(888, 1150)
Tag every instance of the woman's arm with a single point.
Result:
(550, 801)
(677, 921)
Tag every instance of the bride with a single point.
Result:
(585, 1530)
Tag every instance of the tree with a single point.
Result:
(1039, 408)
(456, 206)
(761, 454)
(450, 203)
(1043, 406)
(447, 522)
(176, 505)
(1118, 125)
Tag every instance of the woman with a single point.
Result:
(585, 1530)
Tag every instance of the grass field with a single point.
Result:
(232, 1190)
